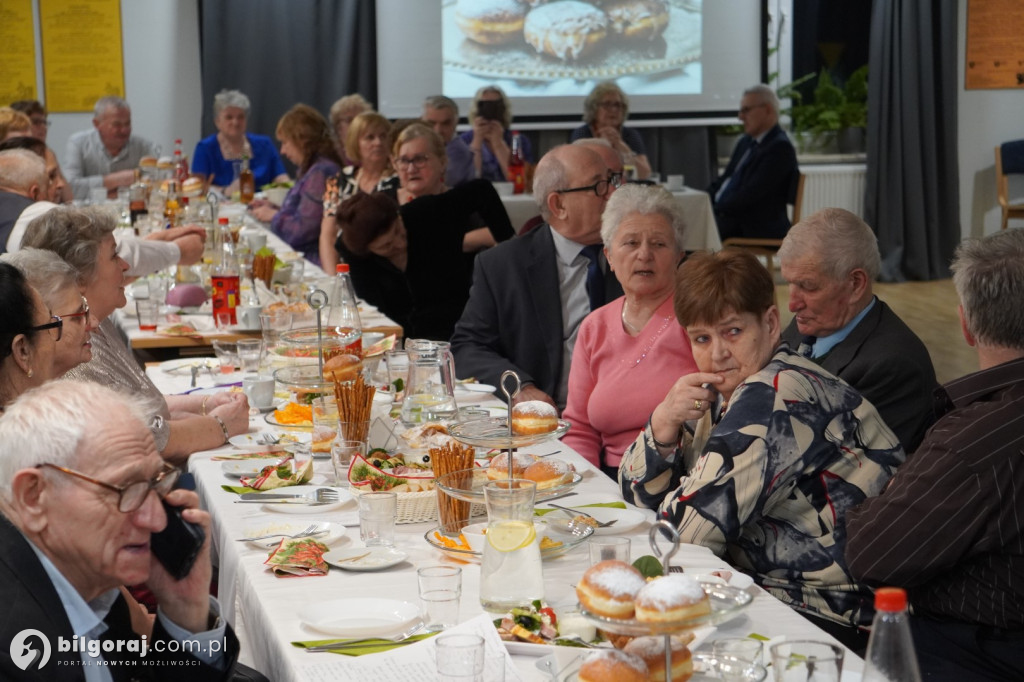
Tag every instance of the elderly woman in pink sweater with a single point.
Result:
(631, 351)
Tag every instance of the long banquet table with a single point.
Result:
(263, 608)
(701, 231)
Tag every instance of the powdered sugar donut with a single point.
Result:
(671, 599)
(534, 416)
(637, 19)
(608, 588)
(491, 22)
(567, 30)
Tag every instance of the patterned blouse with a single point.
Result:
(769, 484)
(346, 184)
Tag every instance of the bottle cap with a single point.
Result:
(342, 267)
(223, 221)
(890, 599)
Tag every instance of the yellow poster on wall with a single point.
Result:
(17, 52)
(82, 55)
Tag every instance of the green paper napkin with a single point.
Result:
(370, 647)
(607, 505)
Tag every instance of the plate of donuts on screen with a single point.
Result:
(583, 39)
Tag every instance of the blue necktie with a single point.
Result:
(595, 278)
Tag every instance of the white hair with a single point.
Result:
(645, 200)
(109, 102)
(766, 94)
(50, 274)
(837, 241)
(21, 168)
(230, 98)
(988, 275)
(50, 424)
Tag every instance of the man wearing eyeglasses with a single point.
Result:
(530, 294)
(80, 500)
(751, 195)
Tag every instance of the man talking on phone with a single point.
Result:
(80, 500)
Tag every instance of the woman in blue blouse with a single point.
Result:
(759, 455)
(217, 156)
(490, 139)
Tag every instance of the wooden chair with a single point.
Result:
(769, 247)
(1009, 161)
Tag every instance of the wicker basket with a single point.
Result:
(417, 507)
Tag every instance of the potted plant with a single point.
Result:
(819, 125)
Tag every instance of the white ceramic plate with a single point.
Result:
(183, 366)
(379, 558)
(249, 467)
(252, 440)
(335, 532)
(625, 519)
(360, 617)
(344, 497)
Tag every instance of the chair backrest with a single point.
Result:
(1012, 157)
(796, 194)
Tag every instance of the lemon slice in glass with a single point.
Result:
(509, 536)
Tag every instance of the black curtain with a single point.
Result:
(281, 52)
(912, 196)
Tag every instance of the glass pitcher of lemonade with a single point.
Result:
(510, 574)
(430, 393)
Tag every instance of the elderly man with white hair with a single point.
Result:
(23, 181)
(830, 260)
(107, 155)
(751, 195)
(77, 517)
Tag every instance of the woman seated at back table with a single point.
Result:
(218, 158)
(182, 424)
(629, 352)
(604, 114)
(371, 171)
(759, 454)
(306, 142)
(490, 114)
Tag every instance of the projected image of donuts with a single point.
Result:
(536, 45)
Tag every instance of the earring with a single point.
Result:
(29, 372)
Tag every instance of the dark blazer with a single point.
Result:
(30, 601)
(754, 203)
(513, 319)
(884, 360)
(11, 206)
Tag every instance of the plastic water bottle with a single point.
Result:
(891, 656)
(343, 317)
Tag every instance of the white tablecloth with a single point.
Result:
(263, 608)
(701, 229)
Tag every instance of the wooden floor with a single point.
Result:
(929, 308)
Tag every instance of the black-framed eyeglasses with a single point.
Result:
(599, 188)
(418, 161)
(129, 497)
(57, 324)
(615, 179)
(83, 312)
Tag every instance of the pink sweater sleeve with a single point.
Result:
(582, 437)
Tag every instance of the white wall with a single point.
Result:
(160, 39)
(986, 118)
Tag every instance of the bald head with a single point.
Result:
(564, 187)
(23, 172)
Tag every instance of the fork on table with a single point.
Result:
(310, 531)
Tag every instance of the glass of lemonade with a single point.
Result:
(510, 573)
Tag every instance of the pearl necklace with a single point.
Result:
(652, 340)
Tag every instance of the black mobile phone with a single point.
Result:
(177, 545)
(491, 109)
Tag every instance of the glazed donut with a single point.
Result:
(567, 30)
(608, 589)
(491, 22)
(498, 468)
(651, 650)
(637, 19)
(670, 599)
(612, 665)
(548, 473)
(534, 416)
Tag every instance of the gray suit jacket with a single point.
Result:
(884, 360)
(513, 319)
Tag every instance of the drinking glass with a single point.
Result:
(603, 549)
(342, 452)
(460, 658)
(440, 590)
(398, 372)
(148, 310)
(377, 518)
(803, 660)
(249, 351)
(273, 324)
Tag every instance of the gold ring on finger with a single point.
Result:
(698, 405)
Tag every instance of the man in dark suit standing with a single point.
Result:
(530, 293)
(751, 195)
(78, 515)
(830, 260)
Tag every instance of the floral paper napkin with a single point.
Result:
(302, 557)
(274, 476)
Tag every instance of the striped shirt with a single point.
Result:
(950, 527)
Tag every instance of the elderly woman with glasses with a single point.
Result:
(760, 453)
(629, 352)
(57, 283)
(305, 141)
(604, 112)
(181, 425)
(490, 114)
(28, 336)
(371, 171)
(217, 158)
(410, 261)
